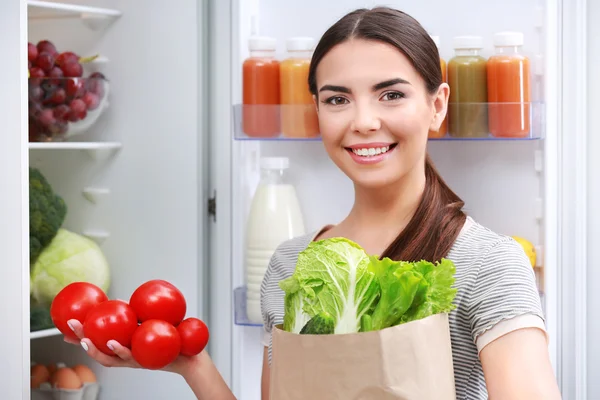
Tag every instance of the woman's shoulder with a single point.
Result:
(287, 252)
(477, 243)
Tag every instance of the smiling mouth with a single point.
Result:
(371, 151)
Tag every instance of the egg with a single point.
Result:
(85, 373)
(51, 368)
(65, 378)
(39, 375)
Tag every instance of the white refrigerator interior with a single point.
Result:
(510, 186)
(164, 180)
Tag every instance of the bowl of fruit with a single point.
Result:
(62, 101)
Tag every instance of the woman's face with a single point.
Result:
(375, 112)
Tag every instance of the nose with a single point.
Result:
(365, 119)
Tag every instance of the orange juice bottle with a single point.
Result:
(444, 126)
(509, 92)
(260, 78)
(298, 111)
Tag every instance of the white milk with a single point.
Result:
(274, 217)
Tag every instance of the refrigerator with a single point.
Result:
(163, 180)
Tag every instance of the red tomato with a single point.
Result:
(155, 344)
(74, 301)
(158, 299)
(111, 320)
(194, 336)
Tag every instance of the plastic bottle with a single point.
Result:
(260, 109)
(298, 112)
(508, 75)
(274, 217)
(444, 126)
(467, 78)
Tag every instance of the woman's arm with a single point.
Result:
(205, 380)
(198, 371)
(266, 373)
(517, 366)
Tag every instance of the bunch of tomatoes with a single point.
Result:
(151, 325)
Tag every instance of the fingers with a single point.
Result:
(71, 341)
(77, 327)
(100, 357)
(122, 357)
(123, 352)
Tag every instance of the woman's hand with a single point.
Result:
(198, 371)
(123, 357)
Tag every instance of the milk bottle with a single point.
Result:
(274, 217)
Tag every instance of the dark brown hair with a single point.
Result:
(439, 218)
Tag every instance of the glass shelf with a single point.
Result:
(239, 304)
(265, 121)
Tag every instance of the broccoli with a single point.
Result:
(47, 212)
(320, 324)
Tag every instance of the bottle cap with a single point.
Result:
(468, 42)
(274, 163)
(300, 44)
(508, 39)
(262, 43)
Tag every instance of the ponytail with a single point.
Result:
(435, 226)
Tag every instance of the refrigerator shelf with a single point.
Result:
(266, 117)
(44, 333)
(93, 17)
(96, 150)
(239, 302)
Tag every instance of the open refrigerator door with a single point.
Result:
(121, 141)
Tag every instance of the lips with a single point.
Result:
(370, 145)
(370, 153)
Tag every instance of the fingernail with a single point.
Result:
(110, 346)
(84, 345)
(71, 326)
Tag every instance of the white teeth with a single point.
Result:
(372, 151)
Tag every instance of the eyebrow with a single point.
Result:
(378, 86)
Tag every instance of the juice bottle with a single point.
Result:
(509, 92)
(444, 126)
(274, 217)
(467, 78)
(260, 108)
(298, 112)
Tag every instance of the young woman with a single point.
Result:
(377, 85)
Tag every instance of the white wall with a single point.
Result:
(14, 244)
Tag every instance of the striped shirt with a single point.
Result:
(496, 294)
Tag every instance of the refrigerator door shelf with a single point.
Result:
(240, 315)
(265, 121)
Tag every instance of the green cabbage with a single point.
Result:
(68, 258)
(331, 276)
(337, 278)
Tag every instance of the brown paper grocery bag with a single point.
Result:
(412, 361)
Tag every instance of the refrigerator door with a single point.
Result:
(152, 193)
(566, 187)
(593, 211)
(14, 215)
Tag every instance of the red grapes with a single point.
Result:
(58, 92)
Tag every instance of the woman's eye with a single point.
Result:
(336, 100)
(393, 96)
